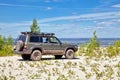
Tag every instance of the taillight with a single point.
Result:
(25, 46)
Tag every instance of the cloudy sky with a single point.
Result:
(66, 18)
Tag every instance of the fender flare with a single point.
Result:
(36, 48)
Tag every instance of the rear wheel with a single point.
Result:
(36, 55)
(26, 56)
(58, 56)
(69, 54)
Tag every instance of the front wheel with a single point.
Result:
(36, 55)
(69, 54)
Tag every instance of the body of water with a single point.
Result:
(78, 41)
(104, 42)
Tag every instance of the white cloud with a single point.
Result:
(116, 6)
(14, 24)
(4, 4)
(49, 8)
(104, 22)
(94, 16)
(112, 23)
(106, 3)
(48, 1)
(19, 5)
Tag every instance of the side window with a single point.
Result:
(53, 40)
(34, 39)
(22, 37)
(45, 40)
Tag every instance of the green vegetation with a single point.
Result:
(34, 27)
(114, 49)
(92, 46)
(93, 49)
(6, 46)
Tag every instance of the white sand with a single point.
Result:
(82, 68)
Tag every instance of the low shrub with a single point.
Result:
(114, 49)
(91, 48)
(6, 46)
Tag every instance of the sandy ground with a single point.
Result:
(81, 68)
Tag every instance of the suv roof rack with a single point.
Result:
(25, 33)
(50, 34)
(43, 34)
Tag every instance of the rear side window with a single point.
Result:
(34, 39)
(22, 37)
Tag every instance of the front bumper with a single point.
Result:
(76, 48)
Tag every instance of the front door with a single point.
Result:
(53, 46)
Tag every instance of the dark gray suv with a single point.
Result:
(33, 46)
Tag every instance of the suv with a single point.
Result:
(33, 46)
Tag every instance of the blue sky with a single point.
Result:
(66, 18)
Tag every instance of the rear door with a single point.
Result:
(34, 40)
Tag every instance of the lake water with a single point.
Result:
(78, 41)
(104, 42)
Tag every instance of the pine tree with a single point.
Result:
(34, 27)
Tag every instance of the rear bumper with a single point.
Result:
(22, 52)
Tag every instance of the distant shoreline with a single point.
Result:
(104, 42)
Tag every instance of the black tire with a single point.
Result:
(58, 56)
(69, 54)
(19, 45)
(26, 56)
(36, 55)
